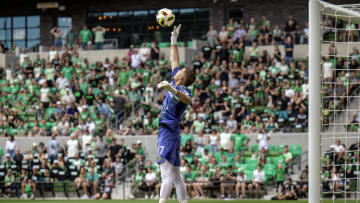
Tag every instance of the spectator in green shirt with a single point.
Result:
(10, 184)
(185, 136)
(93, 179)
(85, 37)
(280, 177)
(189, 178)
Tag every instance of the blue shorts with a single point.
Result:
(168, 146)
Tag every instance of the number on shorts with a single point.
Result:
(161, 149)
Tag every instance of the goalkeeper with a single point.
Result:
(173, 108)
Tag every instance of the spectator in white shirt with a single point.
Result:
(224, 34)
(85, 140)
(72, 146)
(90, 125)
(135, 59)
(263, 139)
(62, 82)
(257, 180)
(339, 150)
(231, 124)
(225, 140)
(150, 182)
(68, 99)
(10, 146)
(144, 52)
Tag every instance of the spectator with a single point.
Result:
(214, 141)
(200, 142)
(289, 50)
(99, 33)
(288, 192)
(228, 181)
(241, 184)
(105, 186)
(155, 52)
(201, 182)
(10, 185)
(223, 35)
(189, 178)
(339, 151)
(135, 59)
(81, 182)
(70, 38)
(302, 183)
(10, 146)
(101, 150)
(46, 183)
(206, 51)
(72, 146)
(92, 183)
(212, 36)
(305, 36)
(225, 140)
(18, 158)
(277, 35)
(257, 180)
(263, 139)
(85, 38)
(137, 182)
(144, 52)
(280, 177)
(150, 182)
(57, 33)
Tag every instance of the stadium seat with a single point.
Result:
(273, 150)
(269, 170)
(164, 44)
(251, 163)
(189, 44)
(295, 149)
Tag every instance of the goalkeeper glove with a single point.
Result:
(174, 34)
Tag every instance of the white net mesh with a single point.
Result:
(340, 87)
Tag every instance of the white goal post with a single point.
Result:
(350, 14)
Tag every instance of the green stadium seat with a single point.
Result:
(148, 44)
(190, 44)
(269, 169)
(164, 44)
(249, 174)
(281, 147)
(1, 152)
(273, 151)
(180, 44)
(255, 147)
(295, 149)
(278, 159)
(251, 163)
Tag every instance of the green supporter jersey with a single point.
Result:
(28, 190)
(185, 137)
(92, 178)
(85, 35)
(237, 55)
(280, 175)
(138, 177)
(189, 177)
(239, 140)
(68, 72)
(9, 180)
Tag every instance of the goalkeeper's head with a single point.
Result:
(184, 77)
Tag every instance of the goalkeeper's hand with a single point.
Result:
(166, 85)
(174, 34)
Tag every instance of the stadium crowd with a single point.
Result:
(91, 164)
(235, 93)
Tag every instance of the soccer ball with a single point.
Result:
(165, 17)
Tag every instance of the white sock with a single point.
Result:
(162, 200)
(184, 201)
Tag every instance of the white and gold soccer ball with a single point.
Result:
(165, 17)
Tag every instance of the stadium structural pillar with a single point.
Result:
(217, 14)
(79, 19)
(47, 22)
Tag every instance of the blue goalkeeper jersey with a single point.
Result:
(172, 108)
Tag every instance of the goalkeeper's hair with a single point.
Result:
(190, 77)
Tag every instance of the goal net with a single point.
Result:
(340, 102)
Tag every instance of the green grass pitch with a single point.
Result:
(154, 201)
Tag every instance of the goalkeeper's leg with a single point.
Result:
(166, 170)
(181, 191)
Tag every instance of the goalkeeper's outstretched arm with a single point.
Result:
(174, 52)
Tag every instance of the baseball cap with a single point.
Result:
(138, 142)
(7, 155)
